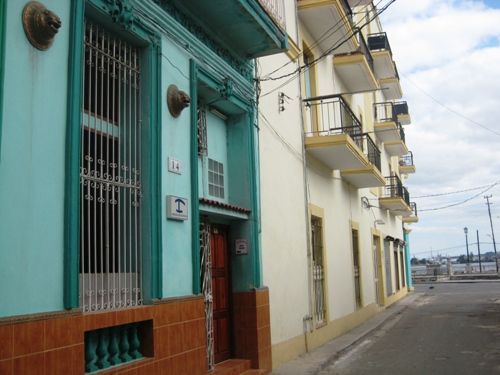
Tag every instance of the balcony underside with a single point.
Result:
(404, 118)
(336, 151)
(354, 71)
(396, 148)
(319, 17)
(387, 131)
(251, 32)
(383, 64)
(364, 177)
(391, 88)
(359, 3)
(410, 219)
(407, 169)
(396, 205)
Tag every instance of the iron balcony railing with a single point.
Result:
(371, 150)
(394, 189)
(379, 42)
(406, 160)
(330, 114)
(363, 47)
(276, 9)
(401, 132)
(347, 9)
(401, 108)
(396, 70)
(384, 112)
(413, 207)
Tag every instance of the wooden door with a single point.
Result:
(221, 293)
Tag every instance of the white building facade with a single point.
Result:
(333, 159)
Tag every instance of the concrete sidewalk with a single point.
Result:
(313, 362)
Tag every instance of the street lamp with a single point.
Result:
(466, 230)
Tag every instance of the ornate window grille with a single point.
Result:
(110, 173)
(202, 130)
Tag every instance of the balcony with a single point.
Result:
(333, 133)
(391, 87)
(334, 137)
(395, 197)
(370, 175)
(401, 110)
(412, 217)
(382, 56)
(388, 129)
(256, 28)
(355, 69)
(328, 22)
(397, 147)
(406, 165)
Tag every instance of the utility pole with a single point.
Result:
(479, 252)
(466, 230)
(487, 197)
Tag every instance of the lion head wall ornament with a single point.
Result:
(40, 25)
(177, 100)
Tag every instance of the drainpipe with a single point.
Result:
(308, 319)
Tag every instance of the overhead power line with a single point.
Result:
(292, 75)
(451, 109)
(451, 192)
(461, 202)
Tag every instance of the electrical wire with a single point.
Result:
(449, 108)
(325, 35)
(451, 192)
(461, 202)
(296, 72)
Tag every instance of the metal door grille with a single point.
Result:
(388, 270)
(110, 184)
(206, 286)
(357, 274)
(318, 272)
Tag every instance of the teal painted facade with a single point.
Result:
(39, 153)
(32, 168)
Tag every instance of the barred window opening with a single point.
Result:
(110, 173)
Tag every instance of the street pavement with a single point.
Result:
(441, 328)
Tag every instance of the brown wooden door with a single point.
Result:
(221, 293)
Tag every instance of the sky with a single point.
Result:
(448, 55)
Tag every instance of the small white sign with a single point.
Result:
(177, 208)
(241, 247)
(174, 165)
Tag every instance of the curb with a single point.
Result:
(371, 325)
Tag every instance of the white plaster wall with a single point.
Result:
(284, 225)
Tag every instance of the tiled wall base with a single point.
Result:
(252, 329)
(53, 345)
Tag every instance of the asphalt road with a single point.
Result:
(450, 329)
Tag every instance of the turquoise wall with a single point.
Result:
(176, 235)
(32, 163)
(33, 159)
